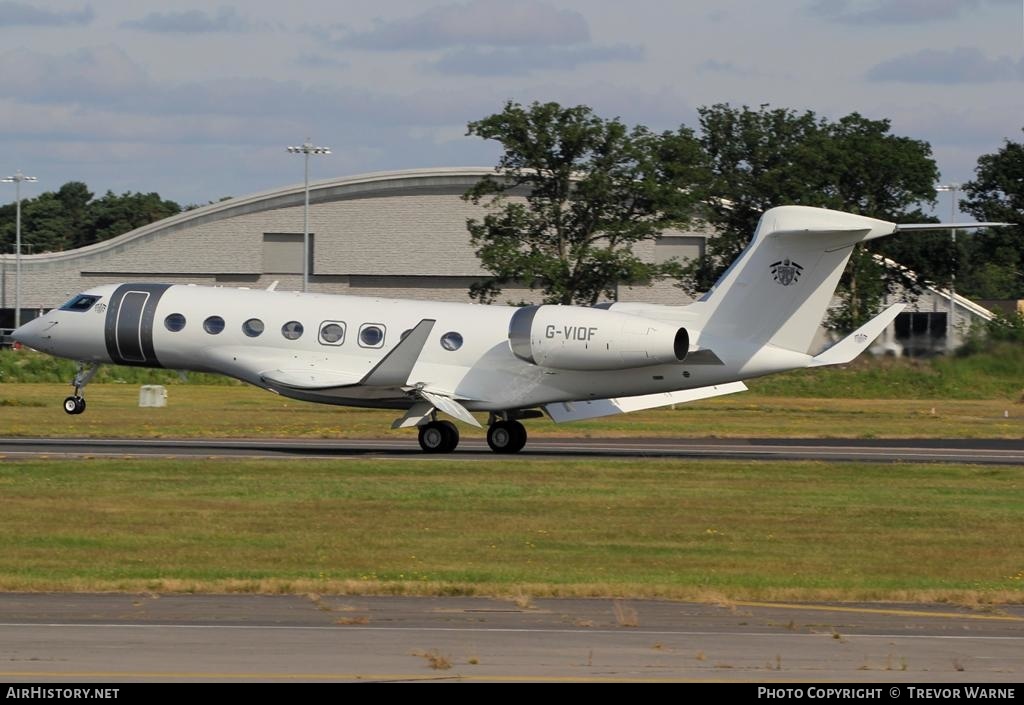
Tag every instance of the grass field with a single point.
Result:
(703, 530)
(979, 396)
(692, 530)
(246, 412)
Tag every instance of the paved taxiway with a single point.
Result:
(987, 451)
(120, 637)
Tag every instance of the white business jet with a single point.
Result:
(422, 358)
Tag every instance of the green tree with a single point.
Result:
(113, 215)
(996, 255)
(770, 157)
(70, 217)
(574, 193)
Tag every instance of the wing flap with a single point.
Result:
(450, 407)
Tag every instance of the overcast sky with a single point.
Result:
(197, 100)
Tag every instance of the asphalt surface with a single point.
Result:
(124, 638)
(985, 451)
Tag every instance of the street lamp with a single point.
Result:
(307, 148)
(952, 189)
(16, 180)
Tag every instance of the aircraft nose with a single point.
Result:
(35, 333)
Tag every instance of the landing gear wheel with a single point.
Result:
(74, 405)
(506, 436)
(439, 437)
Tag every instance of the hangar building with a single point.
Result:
(398, 234)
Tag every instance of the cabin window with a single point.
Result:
(253, 328)
(332, 333)
(82, 302)
(292, 330)
(213, 325)
(174, 322)
(451, 341)
(371, 335)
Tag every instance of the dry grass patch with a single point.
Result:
(435, 659)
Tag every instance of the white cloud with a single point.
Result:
(521, 61)
(882, 12)
(948, 66)
(728, 68)
(314, 60)
(227, 19)
(89, 75)
(14, 14)
(476, 23)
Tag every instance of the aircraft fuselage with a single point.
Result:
(213, 329)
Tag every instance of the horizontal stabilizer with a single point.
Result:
(310, 378)
(857, 342)
(852, 232)
(450, 407)
(562, 412)
(910, 227)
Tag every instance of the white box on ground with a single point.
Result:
(152, 395)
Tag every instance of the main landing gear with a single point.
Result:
(75, 404)
(504, 435)
(439, 437)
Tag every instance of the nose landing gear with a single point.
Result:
(76, 404)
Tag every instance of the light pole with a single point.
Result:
(952, 189)
(16, 180)
(307, 148)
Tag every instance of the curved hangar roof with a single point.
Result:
(402, 223)
(395, 234)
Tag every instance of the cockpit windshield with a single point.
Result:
(82, 302)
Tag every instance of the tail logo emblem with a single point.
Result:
(786, 272)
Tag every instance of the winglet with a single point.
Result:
(856, 342)
(395, 368)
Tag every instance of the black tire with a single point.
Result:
(506, 436)
(74, 405)
(438, 437)
(452, 435)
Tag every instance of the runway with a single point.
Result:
(983, 451)
(124, 638)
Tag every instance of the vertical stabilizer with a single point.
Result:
(777, 291)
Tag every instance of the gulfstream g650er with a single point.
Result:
(422, 358)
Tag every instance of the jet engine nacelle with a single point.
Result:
(578, 338)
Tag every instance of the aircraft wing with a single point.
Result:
(392, 371)
(562, 412)
(311, 379)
